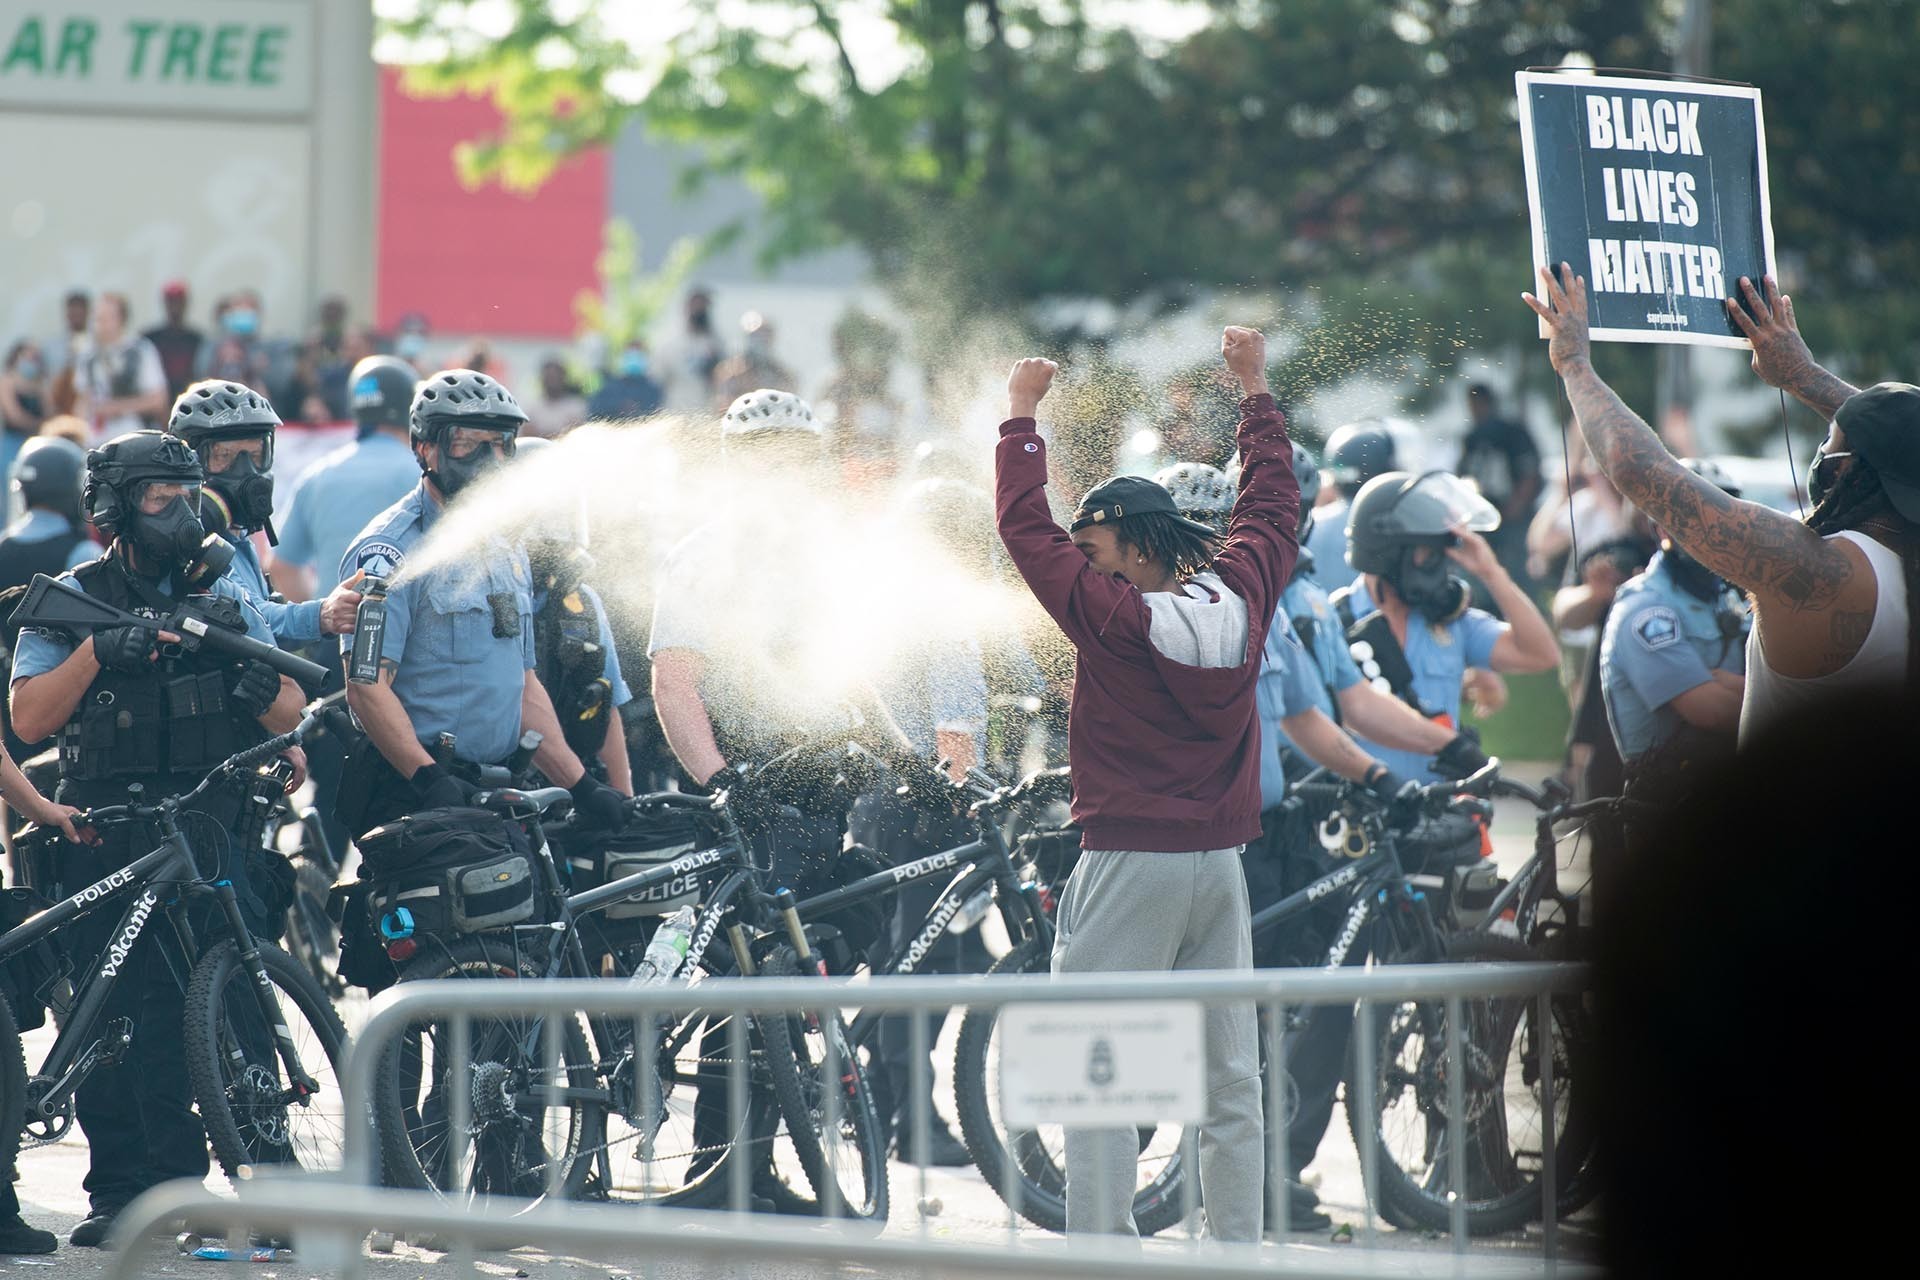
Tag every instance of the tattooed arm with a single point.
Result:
(1780, 354)
(1785, 564)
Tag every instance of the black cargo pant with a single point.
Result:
(883, 824)
(1286, 859)
(138, 1113)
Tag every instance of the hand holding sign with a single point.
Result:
(1780, 355)
(1564, 314)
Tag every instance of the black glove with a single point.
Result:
(1461, 757)
(439, 789)
(1401, 797)
(125, 648)
(749, 802)
(925, 787)
(256, 689)
(597, 806)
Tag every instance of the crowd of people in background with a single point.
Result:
(1565, 536)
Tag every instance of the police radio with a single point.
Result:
(369, 631)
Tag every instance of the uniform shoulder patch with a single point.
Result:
(1658, 627)
(378, 559)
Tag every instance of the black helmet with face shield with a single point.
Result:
(1396, 516)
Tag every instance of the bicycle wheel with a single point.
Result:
(833, 1128)
(525, 1086)
(252, 1113)
(311, 936)
(671, 1139)
(1413, 1144)
(1039, 1155)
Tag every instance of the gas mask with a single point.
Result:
(558, 567)
(455, 474)
(1430, 590)
(172, 540)
(241, 496)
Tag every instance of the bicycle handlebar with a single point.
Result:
(240, 761)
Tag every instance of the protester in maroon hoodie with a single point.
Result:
(1163, 737)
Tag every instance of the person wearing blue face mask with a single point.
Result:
(236, 354)
(23, 398)
(627, 390)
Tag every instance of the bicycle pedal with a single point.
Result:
(115, 1040)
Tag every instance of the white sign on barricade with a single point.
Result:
(1103, 1063)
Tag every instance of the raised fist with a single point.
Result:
(1027, 385)
(1245, 351)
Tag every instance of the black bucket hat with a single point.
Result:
(1882, 425)
(1124, 496)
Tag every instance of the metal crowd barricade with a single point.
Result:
(329, 1215)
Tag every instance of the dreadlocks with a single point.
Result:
(1856, 498)
(1159, 536)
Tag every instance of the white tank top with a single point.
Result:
(1880, 663)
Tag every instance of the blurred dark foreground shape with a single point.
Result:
(1755, 968)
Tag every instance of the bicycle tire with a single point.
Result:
(1157, 1206)
(1411, 1142)
(795, 1047)
(234, 1064)
(13, 1088)
(513, 1140)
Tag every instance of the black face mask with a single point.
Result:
(1822, 475)
(455, 474)
(1690, 575)
(246, 494)
(1429, 589)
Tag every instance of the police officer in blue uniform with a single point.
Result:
(1308, 683)
(1673, 663)
(349, 486)
(231, 428)
(1356, 453)
(1409, 625)
(326, 511)
(116, 699)
(456, 662)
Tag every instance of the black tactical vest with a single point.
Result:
(19, 561)
(571, 663)
(174, 719)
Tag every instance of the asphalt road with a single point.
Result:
(947, 1205)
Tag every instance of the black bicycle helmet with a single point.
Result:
(51, 472)
(462, 398)
(1358, 452)
(213, 409)
(382, 391)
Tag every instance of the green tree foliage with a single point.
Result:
(1029, 151)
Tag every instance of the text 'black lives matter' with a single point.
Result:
(1655, 191)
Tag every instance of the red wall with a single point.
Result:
(485, 261)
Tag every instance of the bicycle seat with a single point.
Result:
(509, 800)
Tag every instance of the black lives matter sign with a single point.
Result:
(1656, 192)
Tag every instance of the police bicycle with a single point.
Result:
(263, 1044)
(1555, 922)
(626, 1110)
(310, 935)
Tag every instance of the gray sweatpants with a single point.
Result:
(1130, 911)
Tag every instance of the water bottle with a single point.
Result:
(668, 950)
(972, 911)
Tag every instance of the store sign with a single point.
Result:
(216, 57)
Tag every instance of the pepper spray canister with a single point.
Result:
(369, 631)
